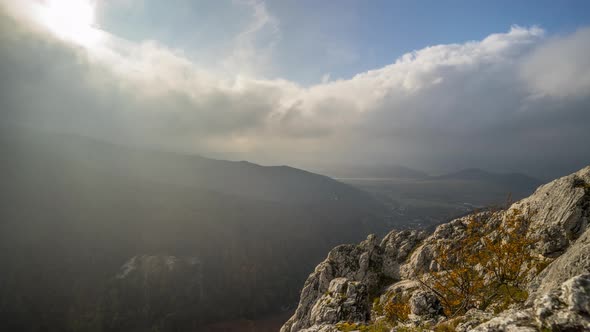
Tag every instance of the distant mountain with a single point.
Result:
(374, 171)
(245, 179)
(78, 213)
(429, 200)
(476, 174)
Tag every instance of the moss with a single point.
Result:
(449, 325)
(377, 307)
(581, 183)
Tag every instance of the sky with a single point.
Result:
(434, 85)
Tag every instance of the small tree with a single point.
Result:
(488, 265)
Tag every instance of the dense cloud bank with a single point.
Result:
(514, 100)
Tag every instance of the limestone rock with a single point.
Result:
(509, 321)
(356, 263)
(575, 261)
(321, 328)
(471, 319)
(566, 308)
(345, 300)
(397, 247)
(425, 304)
(559, 213)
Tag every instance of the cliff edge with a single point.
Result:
(531, 261)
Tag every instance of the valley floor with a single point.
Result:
(270, 323)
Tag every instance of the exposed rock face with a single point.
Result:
(397, 247)
(471, 319)
(358, 263)
(425, 304)
(575, 262)
(345, 300)
(559, 212)
(566, 308)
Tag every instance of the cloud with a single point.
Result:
(253, 47)
(509, 101)
(560, 67)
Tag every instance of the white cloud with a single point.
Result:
(444, 105)
(253, 47)
(560, 67)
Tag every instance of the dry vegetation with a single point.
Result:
(488, 267)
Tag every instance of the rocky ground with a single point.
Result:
(346, 290)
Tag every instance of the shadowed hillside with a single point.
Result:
(75, 210)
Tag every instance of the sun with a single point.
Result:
(72, 20)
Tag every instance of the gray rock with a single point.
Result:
(321, 328)
(574, 262)
(425, 304)
(397, 247)
(471, 319)
(559, 213)
(345, 300)
(509, 321)
(402, 289)
(566, 308)
(355, 263)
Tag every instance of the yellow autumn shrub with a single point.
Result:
(487, 267)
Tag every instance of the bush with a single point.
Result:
(488, 266)
(396, 309)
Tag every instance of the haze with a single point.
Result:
(314, 86)
(185, 165)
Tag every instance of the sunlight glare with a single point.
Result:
(72, 20)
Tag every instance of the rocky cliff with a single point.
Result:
(350, 288)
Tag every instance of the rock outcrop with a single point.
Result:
(565, 308)
(345, 300)
(344, 286)
(425, 304)
(575, 262)
(362, 266)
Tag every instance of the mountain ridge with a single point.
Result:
(75, 211)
